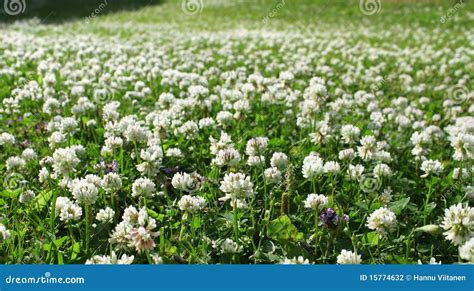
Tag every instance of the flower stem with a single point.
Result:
(88, 227)
(236, 226)
(428, 196)
(53, 211)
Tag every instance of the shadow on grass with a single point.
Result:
(52, 11)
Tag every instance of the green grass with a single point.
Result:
(337, 13)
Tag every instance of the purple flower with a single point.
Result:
(330, 218)
(172, 170)
(113, 167)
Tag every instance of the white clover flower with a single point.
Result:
(228, 246)
(469, 192)
(224, 117)
(111, 260)
(191, 204)
(382, 220)
(130, 215)
(109, 111)
(348, 257)
(46, 161)
(119, 236)
(368, 147)
(383, 156)
(113, 142)
(79, 150)
(6, 139)
(29, 155)
(256, 146)
(151, 160)
(141, 236)
(420, 140)
(143, 187)
(69, 212)
(94, 179)
(15, 164)
(279, 160)
(256, 161)
(26, 196)
(386, 196)
(105, 215)
(466, 251)
(224, 142)
(350, 134)
(458, 222)
(111, 182)
(431, 262)
(295, 261)
(50, 105)
(463, 145)
(236, 186)
(226, 157)
(174, 152)
(189, 129)
(84, 105)
(136, 133)
(43, 175)
(355, 172)
(65, 182)
(85, 192)
(431, 167)
(4, 232)
(286, 76)
(68, 126)
(382, 170)
(459, 173)
(56, 138)
(77, 90)
(332, 167)
(156, 259)
(241, 106)
(206, 123)
(346, 154)
(61, 202)
(272, 175)
(322, 134)
(65, 161)
(315, 201)
(185, 182)
(313, 166)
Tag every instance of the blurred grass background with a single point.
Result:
(219, 14)
(65, 10)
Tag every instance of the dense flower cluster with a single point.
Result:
(240, 146)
